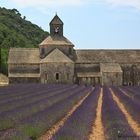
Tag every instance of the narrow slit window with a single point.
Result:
(46, 76)
(57, 76)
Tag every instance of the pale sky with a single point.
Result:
(89, 24)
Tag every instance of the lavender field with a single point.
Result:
(69, 112)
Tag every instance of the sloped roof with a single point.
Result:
(56, 56)
(56, 40)
(110, 67)
(88, 69)
(31, 75)
(24, 55)
(100, 56)
(89, 74)
(56, 20)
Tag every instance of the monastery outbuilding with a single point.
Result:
(56, 61)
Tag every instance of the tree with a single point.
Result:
(24, 17)
(16, 31)
(15, 11)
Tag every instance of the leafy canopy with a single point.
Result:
(16, 31)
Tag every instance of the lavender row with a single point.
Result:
(23, 91)
(32, 98)
(134, 93)
(131, 105)
(7, 89)
(114, 121)
(136, 88)
(16, 114)
(35, 125)
(26, 95)
(27, 92)
(18, 88)
(30, 90)
(79, 125)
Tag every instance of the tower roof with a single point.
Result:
(56, 40)
(56, 20)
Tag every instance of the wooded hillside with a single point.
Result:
(16, 31)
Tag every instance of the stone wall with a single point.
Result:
(57, 72)
(131, 74)
(21, 69)
(66, 72)
(89, 81)
(109, 78)
(24, 68)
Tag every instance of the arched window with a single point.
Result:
(57, 76)
(130, 83)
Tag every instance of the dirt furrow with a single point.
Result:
(133, 124)
(98, 130)
(48, 135)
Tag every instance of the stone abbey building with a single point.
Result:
(56, 61)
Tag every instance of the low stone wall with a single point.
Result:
(3, 80)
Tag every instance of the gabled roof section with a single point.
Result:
(88, 69)
(56, 40)
(56, 20)
(89, 74)
(31, 75)
(24, 56)
(56, 56)
(105, 56)
(110, 67)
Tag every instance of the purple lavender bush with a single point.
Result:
(115, 124)
(13, 116)
(79, 125)
(35, 124)
(37, 95)
(131, 105)
(133, 92)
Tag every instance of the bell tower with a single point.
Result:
(56, 39)
(56, 26)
